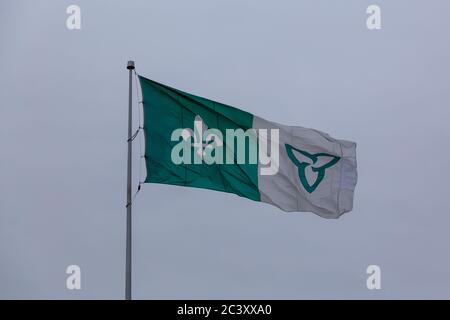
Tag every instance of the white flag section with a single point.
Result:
(316, 172)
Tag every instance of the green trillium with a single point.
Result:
(317, 163)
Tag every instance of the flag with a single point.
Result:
(196, 142)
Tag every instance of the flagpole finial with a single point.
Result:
(130, 65)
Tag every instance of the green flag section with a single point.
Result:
(195, 142)
(167, 109)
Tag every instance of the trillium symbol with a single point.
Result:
(311, 167)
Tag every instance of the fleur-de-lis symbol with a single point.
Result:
(201, 145)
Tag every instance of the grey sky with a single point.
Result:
(312, 63)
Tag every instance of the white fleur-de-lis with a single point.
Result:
(200, 128)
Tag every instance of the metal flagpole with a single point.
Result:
(130, 67)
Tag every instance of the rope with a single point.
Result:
(134, 135)
(140, 122)
(134, 196)
(140, 141)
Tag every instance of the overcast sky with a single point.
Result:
(63, 117)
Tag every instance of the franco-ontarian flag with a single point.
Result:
(195, 142)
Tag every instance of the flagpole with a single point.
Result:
(130, 67)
